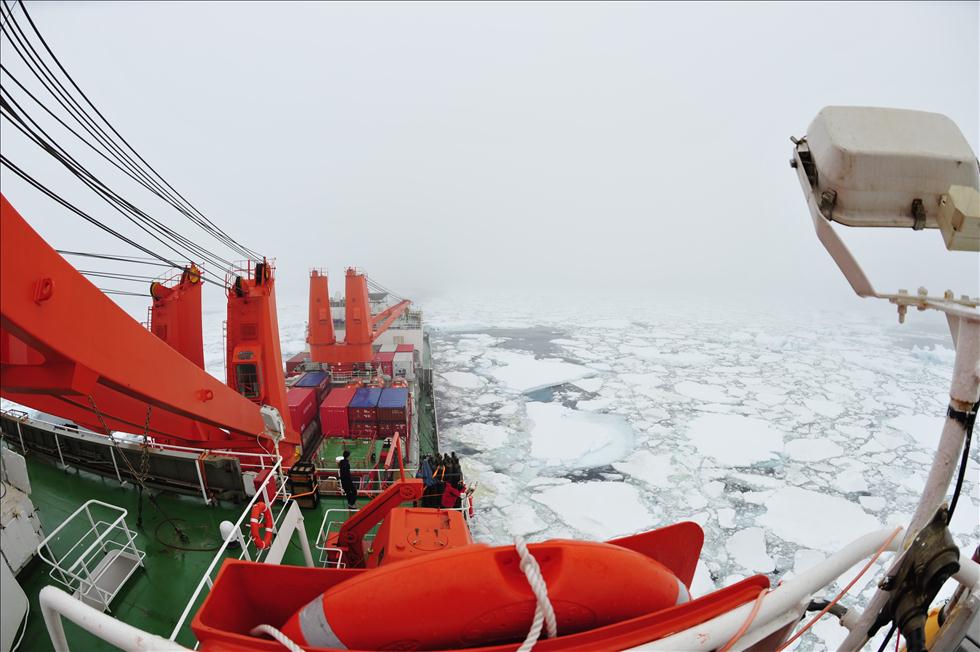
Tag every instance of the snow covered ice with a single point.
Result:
(784, 435)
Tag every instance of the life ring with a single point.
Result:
(261, 511)
(589, 584)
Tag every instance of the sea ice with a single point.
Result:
(562, 436)
(828, 409)
(601, 510)
(703, 392)
(524, 373)
(734, 440)
(588, 384)
(811, 450)
(647, 467)
(747, 548)
(523, 520)
(463, 380)
(484, 436)
(726, 517)
(924, 429)
(814, 519)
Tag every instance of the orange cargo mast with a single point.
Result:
(253, 357)
(361, 328)
(67, 349)
(175, 316)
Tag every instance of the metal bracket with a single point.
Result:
(919, 215)
(828, 199)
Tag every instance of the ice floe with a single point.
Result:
(600, 510)
(524, 373)
(817, 520)
(562, 436)
(747, 548)
(462, 379)
(734, 440)
(811, 450)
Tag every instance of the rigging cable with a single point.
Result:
(968, 419)
(125, 259)
(57, 198)
(189, 210)
(121, 205)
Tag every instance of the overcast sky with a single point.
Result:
(498, 148)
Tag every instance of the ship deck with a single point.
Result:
(155, 595)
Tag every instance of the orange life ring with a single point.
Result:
(590, 585)
(261, 510)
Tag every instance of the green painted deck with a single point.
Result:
(155, 596)
(364, 453)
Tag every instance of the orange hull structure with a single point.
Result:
(175, 316)
(65, 346)
(361, 328)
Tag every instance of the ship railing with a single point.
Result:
(257, 462)
(278, 500)
(371, 481)
(99, 561)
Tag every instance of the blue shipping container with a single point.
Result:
(312, 379)
(394, 397)
(366, 397)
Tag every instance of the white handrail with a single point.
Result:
(219, 555)
(55, 603)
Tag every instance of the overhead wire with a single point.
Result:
(154, 182)
(121, 205)
(125, 259)
(118, 276)
(125, 292)
(13, 167)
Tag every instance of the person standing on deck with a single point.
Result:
(347, 482)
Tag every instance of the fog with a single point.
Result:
(492, 149)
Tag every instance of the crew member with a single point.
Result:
(347, 482)
(453, 494)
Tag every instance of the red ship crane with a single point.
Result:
(361, 327)
(68, 350)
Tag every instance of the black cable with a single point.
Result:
(118, 276)
(38, 185)
(125, 293)
(214, 229)
(30, 56)
(118, 203)
(138, 175)
(888, 637)
(969, 420)
(125, 259)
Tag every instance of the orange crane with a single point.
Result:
(361, 327)
(67, 349)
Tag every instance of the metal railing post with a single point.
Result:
(114, 465)
(58, 445)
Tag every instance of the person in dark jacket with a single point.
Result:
(347, 482)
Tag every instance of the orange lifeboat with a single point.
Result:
(483, 597)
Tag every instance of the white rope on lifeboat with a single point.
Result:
(284, 640)
(544, 613)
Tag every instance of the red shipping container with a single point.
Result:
(296, 361)
(389, 428)
(403, 348)
(302, 406)
(384, 360)
(333, 412)
(367, 430)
